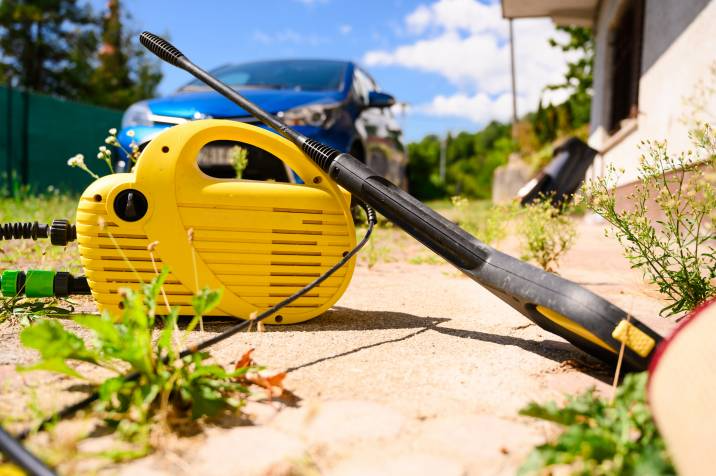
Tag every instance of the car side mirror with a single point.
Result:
(380, 100)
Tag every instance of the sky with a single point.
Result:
(448, 60)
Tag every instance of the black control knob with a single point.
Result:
(130, 205)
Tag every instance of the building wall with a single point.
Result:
(679, 46)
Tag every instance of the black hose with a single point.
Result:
(60, 231)
(23, 230)
(19, 455)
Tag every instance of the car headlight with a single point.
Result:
(318, 115)
(138, 114)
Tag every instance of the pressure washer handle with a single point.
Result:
(555, 304)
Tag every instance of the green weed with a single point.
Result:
(546, 233)
(150, 384)
(667, 231)
(26, 310)
(239, 160)
(600, 437)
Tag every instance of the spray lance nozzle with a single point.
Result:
(60, 231)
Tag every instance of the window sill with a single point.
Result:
(628, 126)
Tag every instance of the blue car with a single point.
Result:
(334, 102)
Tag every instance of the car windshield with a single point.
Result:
(301, 75)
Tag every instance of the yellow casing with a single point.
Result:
(259, 241)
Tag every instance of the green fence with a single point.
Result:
(39, 133)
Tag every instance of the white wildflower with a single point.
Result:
(113, 131)
(76, 161)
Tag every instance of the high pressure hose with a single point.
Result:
(60, 231)
(21, 457)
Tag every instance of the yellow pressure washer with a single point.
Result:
(259, 241)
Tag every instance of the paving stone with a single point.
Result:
(341, 421)
(248, 450)
(485, 444)
(406, 464)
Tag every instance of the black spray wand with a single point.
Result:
(555, 304)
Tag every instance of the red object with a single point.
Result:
(682, 392)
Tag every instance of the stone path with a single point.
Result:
(416, 371)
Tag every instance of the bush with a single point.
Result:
(546, 232)
(676, 250)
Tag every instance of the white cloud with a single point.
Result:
(467, 42)
(419, 19)
(465, 61)
(479, 108)
(452, 15)
(345, 29)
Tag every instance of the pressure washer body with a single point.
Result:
(259, 241)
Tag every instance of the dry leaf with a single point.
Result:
(272, 383)
(245, 360)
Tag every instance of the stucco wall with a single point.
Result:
(679, 45)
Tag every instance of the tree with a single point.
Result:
(124, 74)
(423, 168)
(53, 47)
(37, 40)
(579, 76)
(471, 161)
(553, 121)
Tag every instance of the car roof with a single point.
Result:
(351, 65)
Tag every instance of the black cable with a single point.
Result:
(233, 330)
(75, 407)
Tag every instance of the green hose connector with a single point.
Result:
(11, 282)
(36, 283)
(39, 283)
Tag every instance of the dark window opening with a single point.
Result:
(220, 159)
(626, 64)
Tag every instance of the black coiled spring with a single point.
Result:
(372, 218)
(23, 230)
(321, 154)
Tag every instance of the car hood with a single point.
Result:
(210, 103)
